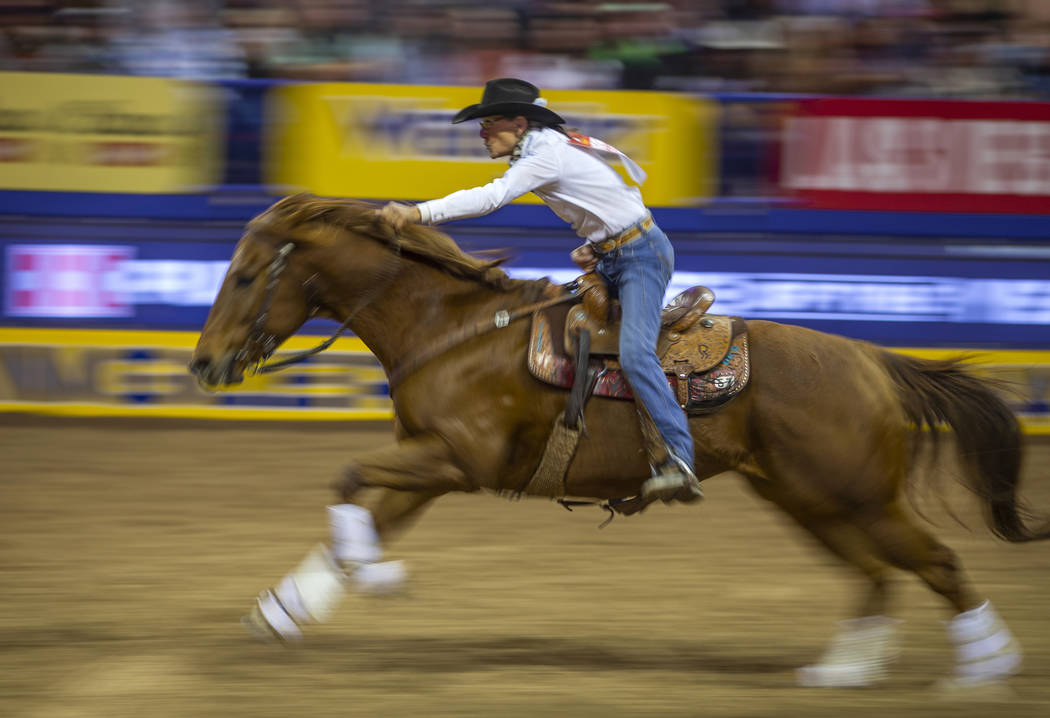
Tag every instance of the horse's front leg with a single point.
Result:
(417, 464)
(379, 495)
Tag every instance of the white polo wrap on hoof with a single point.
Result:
(858, 655)
(269, 620)
(354, 537)
(307, 595)
(985, 650)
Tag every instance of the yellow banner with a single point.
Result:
(92, 372)
(89, 133)
(397, 141)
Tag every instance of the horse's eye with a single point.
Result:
(244, 281)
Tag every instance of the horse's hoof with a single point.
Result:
(254, 622)
(258, 628)
(269, 623)
(988, 681)
(840, 675)
(951, 689)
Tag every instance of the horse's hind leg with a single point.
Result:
(984, 647)
(853, 547)
(904, 545)
(860, 652)
(311, 591)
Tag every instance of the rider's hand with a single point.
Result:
(397, 215)
(584, 257)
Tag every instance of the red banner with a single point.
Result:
(919, 155)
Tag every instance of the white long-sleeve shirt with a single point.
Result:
(575, 182)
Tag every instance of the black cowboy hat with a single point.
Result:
(510, 97)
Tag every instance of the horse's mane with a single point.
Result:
(307, 218)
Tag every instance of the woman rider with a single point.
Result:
(568, 172)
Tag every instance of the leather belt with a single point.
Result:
(628, 235)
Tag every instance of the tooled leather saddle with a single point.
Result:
(705, 356)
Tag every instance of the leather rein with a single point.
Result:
(500, 320)
(269, 342)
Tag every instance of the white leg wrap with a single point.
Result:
(277, 618)
(858, 655)
(378, 578)
(985, 650)
(354, 537)
(312, 591)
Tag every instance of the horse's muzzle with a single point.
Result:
(214, 374)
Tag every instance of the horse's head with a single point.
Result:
(303, 256)
(264, 298)
(307, 255)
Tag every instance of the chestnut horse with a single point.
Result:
(828, 429)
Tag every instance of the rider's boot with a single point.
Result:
(673, 481)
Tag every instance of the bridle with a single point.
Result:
(264, 343)
(260, 337)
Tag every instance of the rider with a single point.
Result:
(623, 243)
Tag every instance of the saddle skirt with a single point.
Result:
(706, 359)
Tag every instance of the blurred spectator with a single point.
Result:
(954, 48)
(176, 38)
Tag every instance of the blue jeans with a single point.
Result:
(638, 273)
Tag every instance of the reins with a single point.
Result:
(499, 320)
(279, 264)
(257, 334)
(273, 366)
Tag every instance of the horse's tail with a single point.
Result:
(988, 435)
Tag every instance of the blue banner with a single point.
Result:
(922, 295)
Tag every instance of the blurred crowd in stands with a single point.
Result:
(903, 48)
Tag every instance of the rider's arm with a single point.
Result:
(523, 176)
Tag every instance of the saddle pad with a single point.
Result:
(697, 391)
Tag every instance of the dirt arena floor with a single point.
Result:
(129, 551)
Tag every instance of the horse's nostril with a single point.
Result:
(197, 367)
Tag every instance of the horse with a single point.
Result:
(831, 430)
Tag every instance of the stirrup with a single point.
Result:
(675, 482)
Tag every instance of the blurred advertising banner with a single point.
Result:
(92, 133)
(918, 155)
(135, 281)
(143, 373)
(66, 281)
(397, 141)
